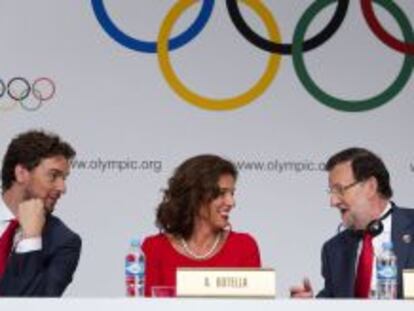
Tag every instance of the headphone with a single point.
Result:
(375, 227)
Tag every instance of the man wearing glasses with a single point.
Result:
(359, 187)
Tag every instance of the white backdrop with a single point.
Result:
(114, 104)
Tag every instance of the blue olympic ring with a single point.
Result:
(151, 46)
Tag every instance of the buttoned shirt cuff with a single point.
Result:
(29, 245)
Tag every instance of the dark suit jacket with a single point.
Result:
(339, 255)
(47, 272)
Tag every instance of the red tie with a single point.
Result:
(6, 242)
(364, 270)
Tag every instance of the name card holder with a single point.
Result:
(226, 282)
(408, 283)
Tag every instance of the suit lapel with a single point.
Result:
(348, 266)
(401, 235)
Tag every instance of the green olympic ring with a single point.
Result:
(351, 105)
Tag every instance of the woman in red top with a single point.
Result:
(194, 221)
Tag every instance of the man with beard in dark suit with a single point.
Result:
(38, 252)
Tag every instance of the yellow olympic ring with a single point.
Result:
(8, 107)
(211, 103)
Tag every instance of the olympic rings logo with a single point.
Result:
(273, 46)
(30, 96)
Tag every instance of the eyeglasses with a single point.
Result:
(340, 190)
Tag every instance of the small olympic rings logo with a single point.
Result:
(272, 45)
(30, 96)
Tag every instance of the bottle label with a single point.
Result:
(132, 268)
(135, 267)
(387, 272)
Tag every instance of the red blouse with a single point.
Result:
(162, 260)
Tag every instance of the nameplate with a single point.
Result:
(226, 282)
(408, 283)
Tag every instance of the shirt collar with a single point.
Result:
(5, 212)
(386, 209)
(387, 221)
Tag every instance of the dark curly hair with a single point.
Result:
(29, 149)
(365, 164)
(194, 183)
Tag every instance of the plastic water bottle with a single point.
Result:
(135, 270)
(387, 272)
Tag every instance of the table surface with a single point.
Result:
(198, 304)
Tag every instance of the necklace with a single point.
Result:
(187, 249)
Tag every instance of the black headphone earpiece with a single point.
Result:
(376, 227)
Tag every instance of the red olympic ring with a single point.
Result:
(381, 33)
(38, 95)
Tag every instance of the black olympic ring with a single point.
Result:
(24, 94)
(283, 48)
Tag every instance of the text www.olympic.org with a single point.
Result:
(117, 165)
(280, 166)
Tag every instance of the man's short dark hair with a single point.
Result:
(29, 149)
(365, 164)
